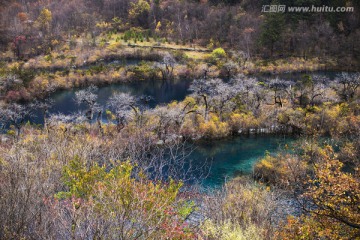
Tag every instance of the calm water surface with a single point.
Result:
(228, 157)
(235, 156)
(162, 92)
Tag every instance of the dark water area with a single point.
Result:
(162, 92)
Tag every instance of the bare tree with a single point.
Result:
(206, 70)
(15, 114)
(69, 118)
(318, 89)
(9, 81)
(279, 87)
(88, 97)
(170, 159)
(302, 89)
(250, 92)
(167, 66)
(122, 104)
(68, 121)
(222, 94)
(248, 37)
(231, 68)
(165, 118)
(99, 110)
(309, 89)
(240, 57)
(349, 84)
(205, 89)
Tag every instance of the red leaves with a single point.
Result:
(19, 39)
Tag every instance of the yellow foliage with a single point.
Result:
(242, 214)
(335, 195)
(158, 27)
(230, 231)
(113, 47)
(138, 8)
(280, 170)
(214, 128)
(241, 121)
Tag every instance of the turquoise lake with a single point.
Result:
(235, 156)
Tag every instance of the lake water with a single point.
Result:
(235, 156)
(162, 92)
(228, 157)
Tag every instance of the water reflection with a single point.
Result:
(161, 91)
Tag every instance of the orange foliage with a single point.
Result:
(22, 16)
(335, 198)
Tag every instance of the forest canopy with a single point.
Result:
(32, 27)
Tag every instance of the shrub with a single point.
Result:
(93, 195)
(214, 128)
(143, 71)
(230, 231)
(240, 122)
(333, 195)
(281, 170)
(241, 210)
(218, 53)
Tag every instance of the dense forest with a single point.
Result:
(117, 163)
(239, 25)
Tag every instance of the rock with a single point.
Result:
(160, 142)
(4, 139)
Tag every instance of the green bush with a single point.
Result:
(218, 53)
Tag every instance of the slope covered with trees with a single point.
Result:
(34, 27)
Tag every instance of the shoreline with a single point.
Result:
(105, 73)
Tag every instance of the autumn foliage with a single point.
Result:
(332, 204)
